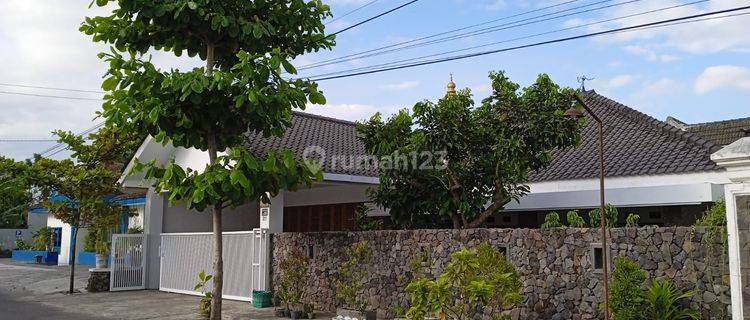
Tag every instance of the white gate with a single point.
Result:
(184, 255)
(128, 262)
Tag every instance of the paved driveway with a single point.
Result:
(36, 292)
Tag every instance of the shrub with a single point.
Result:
(575, 220)
(351, 274)
(632, 220)
(665, 302)
(472, 281)
(610, 212)
(21, 244)
(135, 230)
(43, 239)
(626, 297)
(552, 220)
(89, 242)
(294, 269)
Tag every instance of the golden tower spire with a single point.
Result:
(451, 86)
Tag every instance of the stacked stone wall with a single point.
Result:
(555, 265)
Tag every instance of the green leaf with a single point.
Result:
(288, 66)
(110, 83)
(192, 5)
(198, 196)
(196, 86)
(317, 98)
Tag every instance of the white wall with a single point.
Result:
(65, 242)
(178, 218)
(8, 236)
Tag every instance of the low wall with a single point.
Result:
(8, 237)
(48, 258)
(559, 280)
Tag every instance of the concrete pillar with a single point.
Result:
(152, 228)
(276, 214)
(736, 159)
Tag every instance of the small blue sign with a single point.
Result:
(19, 233)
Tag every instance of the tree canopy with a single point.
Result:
(245, 46)
(468, 161)
(15, 193)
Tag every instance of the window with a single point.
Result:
(309, 250)
(504, 250)
(597, 257)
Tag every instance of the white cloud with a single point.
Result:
(605, 86)
(722, 76)
(400, 86)
(658, 87)
(351, 112)
(496, 5)
(650, 54)
(698, 38)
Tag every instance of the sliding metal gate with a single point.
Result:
(128, 262)
(184, 255)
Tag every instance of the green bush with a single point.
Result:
(665, 302)
(552, 220)
(89, 242)
(21, 244)
(575, 220)
(610, 212)
(626, 296)
(135, 230)
(42, 240)
(294, 269)
(472, 281)
(632, 220)
(351, 275)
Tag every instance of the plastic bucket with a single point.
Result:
(261, 299)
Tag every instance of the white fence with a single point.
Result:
(128, 262)
(184, 255)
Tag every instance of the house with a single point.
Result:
(63, 243)
(657, 170)
(661, 171)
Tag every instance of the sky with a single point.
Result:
(697, 72)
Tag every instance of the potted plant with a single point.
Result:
(349, 284)
(309, 310)
(102, 252)
(204, 305)
(294, 269)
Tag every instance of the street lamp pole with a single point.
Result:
(577, 113)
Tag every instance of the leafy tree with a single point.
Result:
(626, 296)
(610, 213)
(477, 158)
(76, 190)
(15, 193)
(552, 220)
(575, 220)
(473, 280)
(244, 45)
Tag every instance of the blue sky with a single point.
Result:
(697, 72)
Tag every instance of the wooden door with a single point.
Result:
(326, 217)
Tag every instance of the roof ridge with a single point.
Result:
(324, 118)
(664, 127)
(716, 122)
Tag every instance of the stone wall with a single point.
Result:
(555, 265)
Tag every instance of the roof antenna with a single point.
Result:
(582, 81)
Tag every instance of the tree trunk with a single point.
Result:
(218, 279)
(73, 261)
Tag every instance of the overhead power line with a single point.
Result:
(53, 148)
(350, 12)
(421, 39)
(48, 88)
(373, 18)
(536, 44)
(402, 61)
(49, 96)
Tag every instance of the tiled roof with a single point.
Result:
(722, 132)
(337, 138)
(635, 144)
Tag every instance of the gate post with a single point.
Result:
(152, 228)
(736, 159)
